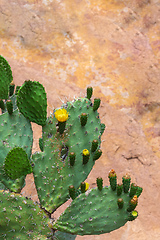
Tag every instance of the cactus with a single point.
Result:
(70, 145)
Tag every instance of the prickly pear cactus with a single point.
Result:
(70, 145)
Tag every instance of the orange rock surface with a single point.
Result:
(114, 46)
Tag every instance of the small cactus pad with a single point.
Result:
(64, 160)
(17, 163)
(15, 131)
(32, 102)
(96, 212)
(5, 78)
(21, 218)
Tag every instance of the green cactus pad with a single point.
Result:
(6, 67)
(32, 102)
(5, 78)
(17, 163)
(53, 169)
(21, 218)
(13, 185)
(15, 131)
(94, 212)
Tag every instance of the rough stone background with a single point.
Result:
(114, 46)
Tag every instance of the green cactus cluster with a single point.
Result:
(70, 144)
(100, 210)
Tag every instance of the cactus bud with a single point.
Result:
(119, 189)
(139, 191)
(133, 203)
(2, 106)
(17, 89)
(100, 183)
(120, 203)
(9, 105)
(133, 190)
(11, 88)
(83, 187)
(72, 192)
(96, 104)
(97, 154)
(132, 216)
(83, 119)
(113, 179)
(94, 145)
(126, 183)
(72, 157)
(89, 92)
(86, 155)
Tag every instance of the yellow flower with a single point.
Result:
(85, 152)
(134, 213)
(87, 186)
(61, 115)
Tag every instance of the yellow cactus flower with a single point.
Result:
(61, 115)
(85, 152)
(134, 213)
(87, 186)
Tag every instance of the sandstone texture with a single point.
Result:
(114, 46)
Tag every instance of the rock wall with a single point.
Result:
(114, 46)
